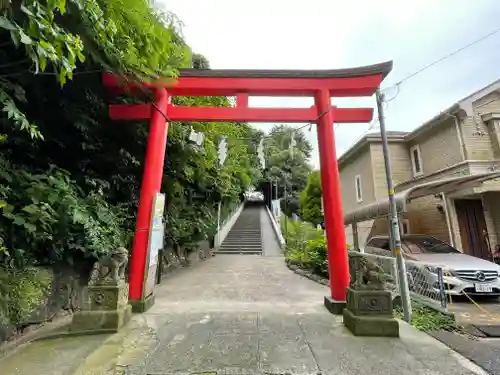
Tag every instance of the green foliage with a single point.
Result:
(310, 200)
(70, 179)
(200, 62)
(305, 246)
(49, 218)
(21, 292)
(127, 37)
(289, 167)
(427, 320)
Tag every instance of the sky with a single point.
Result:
(330, 34)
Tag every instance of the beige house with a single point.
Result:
(446, 177)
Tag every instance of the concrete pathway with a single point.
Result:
(251, 315)
(239, 314)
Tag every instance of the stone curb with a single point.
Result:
(38, 334)
(307, 274)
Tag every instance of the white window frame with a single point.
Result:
(357, 182)
(414, 167)
(405, 222)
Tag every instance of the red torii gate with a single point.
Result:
(320, 84)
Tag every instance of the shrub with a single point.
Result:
(21, 292)
(305, 246)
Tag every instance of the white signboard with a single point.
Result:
(260, 153)
(155, 243)
(222, 150)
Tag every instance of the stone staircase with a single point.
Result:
(245, 235)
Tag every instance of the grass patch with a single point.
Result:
(426, 319)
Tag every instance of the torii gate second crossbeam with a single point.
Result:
(320, 84)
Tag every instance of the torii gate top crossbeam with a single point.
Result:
(361, 81)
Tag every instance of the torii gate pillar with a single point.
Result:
(338, 266)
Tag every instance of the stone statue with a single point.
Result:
(369, 307)
(107, 306)
(110, 268)
(367, 274)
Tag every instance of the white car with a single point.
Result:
(425, 255)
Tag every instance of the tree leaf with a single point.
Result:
(6, 24)
(30, 227)
(25, 39)
(8, 209)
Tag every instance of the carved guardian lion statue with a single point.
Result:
(110, 268)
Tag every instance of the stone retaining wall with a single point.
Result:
(66, 292)
(63, 293)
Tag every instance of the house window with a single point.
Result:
(416, 160)
(405, 226)
(359, 190)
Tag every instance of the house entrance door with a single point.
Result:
(472, 226)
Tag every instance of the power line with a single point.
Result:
(398, 84)
(425, 67)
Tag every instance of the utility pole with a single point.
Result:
(286, 217)
(276, 188)
(394, 227)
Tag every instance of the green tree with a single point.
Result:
(127, 37)
(200, 61)
(94, 164)
(310, 200)
(289, 167)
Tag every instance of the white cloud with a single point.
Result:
(326, 34)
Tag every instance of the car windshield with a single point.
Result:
(428, 245)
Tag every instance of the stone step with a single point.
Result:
(242, 248)
(246, 237)
(239, 241)
(235, 247)
(245, 230)
(251, 252)
(228, 246)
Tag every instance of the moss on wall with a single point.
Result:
(21, 292)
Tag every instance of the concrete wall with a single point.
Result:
(360, 164)
(439, 147)
(476, 133)
(400, 163)
(227, 225)
(276, 228)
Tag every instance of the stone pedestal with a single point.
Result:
(107, 309)
(369, 313)
(333, 306)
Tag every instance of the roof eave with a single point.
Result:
(439, 118)
(369, 138)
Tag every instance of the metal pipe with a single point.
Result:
(403, 282)
(355, 237)
(448, 219)
(463, 149)
(218, 224)
(286, 217)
